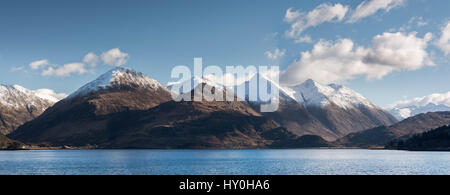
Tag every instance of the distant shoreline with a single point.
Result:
(200, 149)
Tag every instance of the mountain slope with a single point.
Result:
(290, 114)
(380, 136)
(200, 124)
(330, 111)
(119, 90)
(177, 87)
(431, 103)
(434, 140)
(340, 109)
(19, 105)
(185, 124)
(8, 144)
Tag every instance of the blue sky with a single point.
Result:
(158, 35)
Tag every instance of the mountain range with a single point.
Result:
(434, 140)
(339, 108)
(404, 129)
(124, 108)
(330, 111)
(88, 109)
(19, 105)
(431, 103)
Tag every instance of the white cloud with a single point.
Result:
(399, 50)
(91, 59)
(38, 64)
(271, 36)
(304, 39)
(321, 14)
(66, 70)
(114, 57)
(444, 41)
(50, 95)
(413, 23)
(301, 21)
(419, 21)
(17, 68)
(275, 54)
(338, 61)
(368, 8)
(437, 99)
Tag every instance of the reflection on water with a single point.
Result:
(223, 162)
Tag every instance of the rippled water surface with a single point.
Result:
(169, 162)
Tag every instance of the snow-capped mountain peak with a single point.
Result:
(312, 93)
(17, 96)
(431, 103)
(19, 105)
(309, 93)
(50, 95)
(194, 82)
(283, 91)
(118, 77)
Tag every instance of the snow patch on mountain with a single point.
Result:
(309, 93)
(312, 93)
(16, 96)
(431, 103)
(284, 93)
(50, 95)
(118, 77)
(177, 86)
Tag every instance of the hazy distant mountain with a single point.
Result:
(19, 105)
(431, 103)
(434, 140)
(339, 108)
(380, 136)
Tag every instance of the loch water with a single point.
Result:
(235, 162)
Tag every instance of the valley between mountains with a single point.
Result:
(124, 108)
